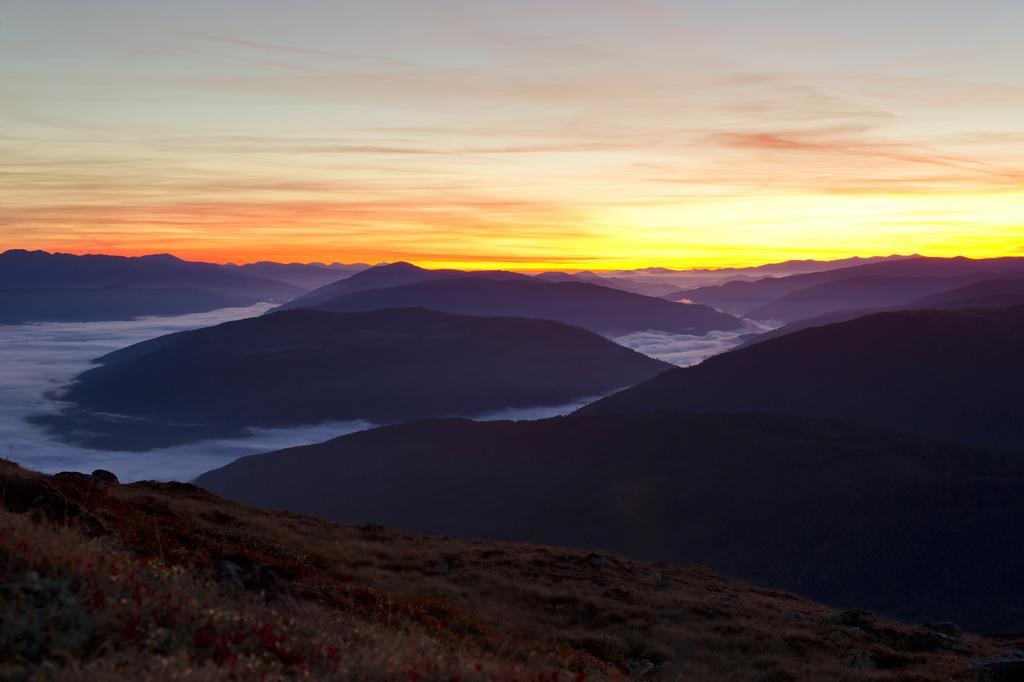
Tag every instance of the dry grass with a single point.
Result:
(118, 580)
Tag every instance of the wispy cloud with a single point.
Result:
(611, 129)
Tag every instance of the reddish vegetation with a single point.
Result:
(105, 579)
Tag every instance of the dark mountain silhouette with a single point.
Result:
(908, 526)
(953, 374)
(307, 276)
(42, 270)
(390, 275)
(597, 308)
(304, 367)
(743, 298)
(40, 286)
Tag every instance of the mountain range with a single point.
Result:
(36, 286)
(307, 276)
(390, 275)
(990, 293)
(40, 286)
(598, 308)
(878, 284)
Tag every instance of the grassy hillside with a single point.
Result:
(166, 581)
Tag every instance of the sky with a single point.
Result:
(529, 134)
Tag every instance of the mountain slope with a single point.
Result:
(597, 308)
(304, 367)
(911, 527)
(953, 374)
(995, 293)
(854, 293)
(256, 594)
(991, 293)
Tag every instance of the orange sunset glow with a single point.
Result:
(606, 135)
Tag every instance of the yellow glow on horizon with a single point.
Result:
(473, 135)
(727, 232)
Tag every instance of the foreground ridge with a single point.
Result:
(165, 580)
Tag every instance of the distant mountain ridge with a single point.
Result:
(36, 286)
(39, 269)
(304, 367)
(308, 276)
(699, 277)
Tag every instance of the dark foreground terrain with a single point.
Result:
(156, 581)
(912, 527)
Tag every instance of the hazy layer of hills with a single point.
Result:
(601, 309)
(994, 293)
(39, 269)
(305, 367)
(912, 527)
(953, 374)
(38, 286)
(886, 283)
(306, 276)
(646, 281)
(669, 281)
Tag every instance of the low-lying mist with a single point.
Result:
(40, 358)
(685, 350)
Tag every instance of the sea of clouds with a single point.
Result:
(685, 350)
(39, 359)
